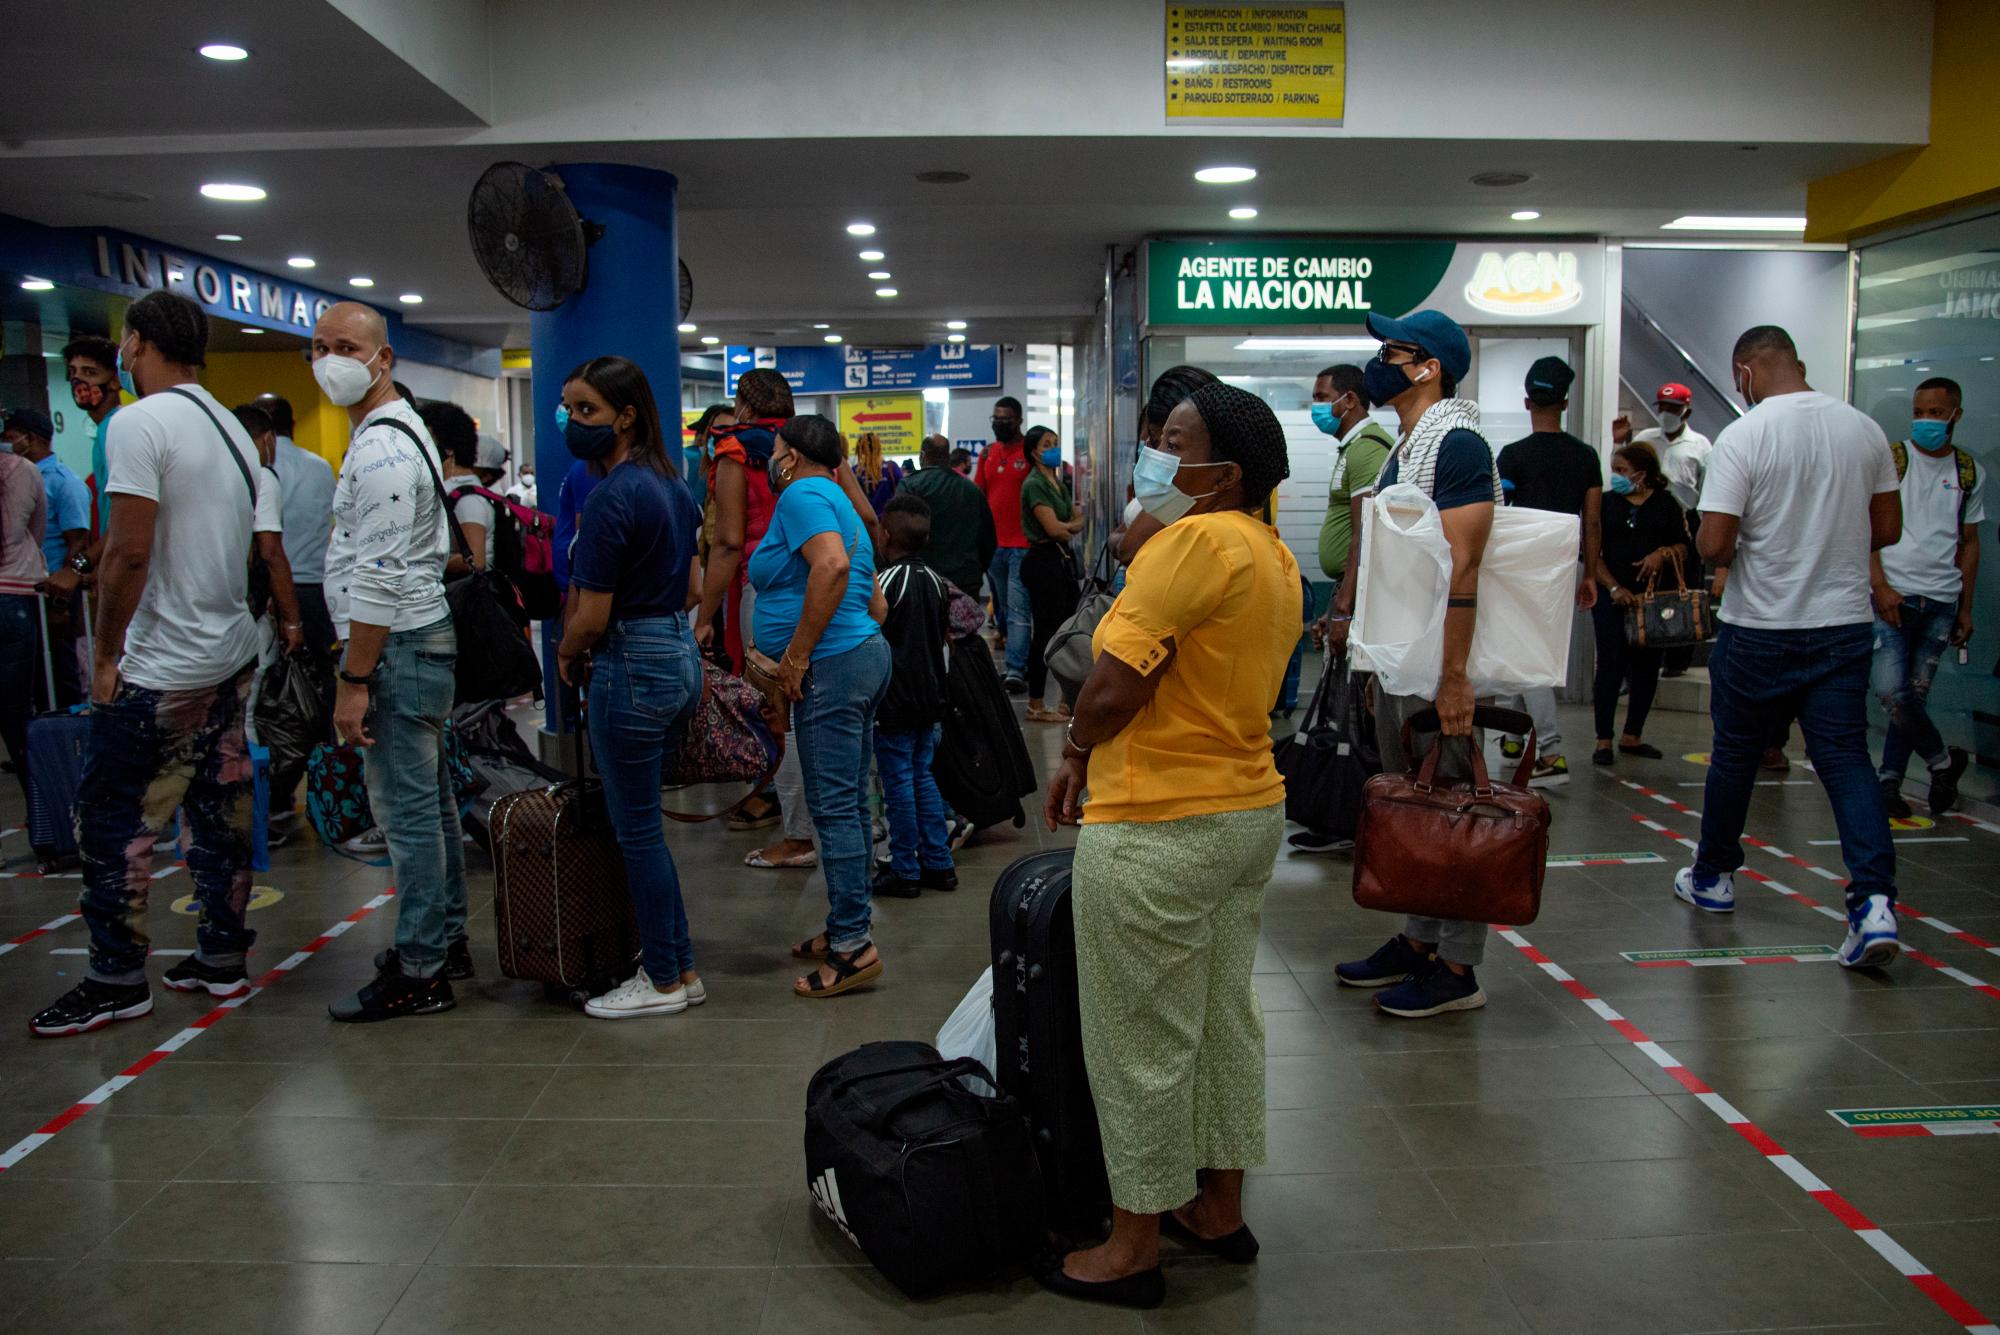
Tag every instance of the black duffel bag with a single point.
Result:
(938, 1186)
(1332, 754)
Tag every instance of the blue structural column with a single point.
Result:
(629, 308)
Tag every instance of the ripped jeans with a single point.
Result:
(1906, 659)
(150, 752)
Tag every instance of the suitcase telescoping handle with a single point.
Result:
(1483, 716)
(48, 658)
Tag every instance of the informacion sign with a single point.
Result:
(848, 370)
(1653, 959)
(1257, 63)
(896, 419)
(1602, 859)
(1973, 1118)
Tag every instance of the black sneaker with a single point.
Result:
(191, 975)
(1944, 782)
(938, 878)
(961, 830)
(1893, 800)
(1432, 990)
(1017, 685)
(457, 961)
(888, 885)
(1394, 962)
(92, 1005)
(393, 995)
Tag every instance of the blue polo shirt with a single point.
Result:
(69, 508)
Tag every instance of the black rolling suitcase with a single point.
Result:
(981, 765)
(1038, 1039)
(53, 767)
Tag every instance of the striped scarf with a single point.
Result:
(1419, 449)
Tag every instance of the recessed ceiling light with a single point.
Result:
(412, 298)
(1703, 222)
(37, 285)
(224, 51)
(822, 326)
(954, 324)
(688, 328)
(1525, 215)
(1225, 175)
(227, 236)
(885, 291)
(879, 275)
(710, 339)
(861, 229)
(1243, 211)
(246, 329)
(872, 256)
(361, 280)
(954, 338)
(233, 192)
(301, 262)
(1307, 344)
(833, 338)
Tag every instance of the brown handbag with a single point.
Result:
(1466, 849)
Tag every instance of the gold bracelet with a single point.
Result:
(792, 662)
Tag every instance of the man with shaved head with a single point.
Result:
(385, 589)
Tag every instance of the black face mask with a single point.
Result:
(1005, 430)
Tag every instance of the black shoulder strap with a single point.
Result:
(228, 446)
(437, 484)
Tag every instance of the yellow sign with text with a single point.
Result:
(896, 419)
(1257, 63)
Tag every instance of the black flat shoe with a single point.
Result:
(1644, 750)
(1145, 1290)
(1602, 756)
(1238, 1248)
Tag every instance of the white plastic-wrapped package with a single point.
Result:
(1527, 602)
(1405, 576)
(970, 1031)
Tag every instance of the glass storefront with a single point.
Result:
(1929, 305)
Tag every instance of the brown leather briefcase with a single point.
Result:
(1468, 849)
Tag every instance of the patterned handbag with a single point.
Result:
(727, 741)
(337, 793)
(1680, 616)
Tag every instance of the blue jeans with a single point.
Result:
(409, 790)
(645, 679)
(1759, 678)
(834, 729)
(919, 826)
(149, 753)
(1015, 615)
(1906, 659)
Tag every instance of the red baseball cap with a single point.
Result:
(1673, 393)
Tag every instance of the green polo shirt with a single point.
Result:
(1356, 465)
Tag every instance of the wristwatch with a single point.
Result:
(352, 680)
(82, 564)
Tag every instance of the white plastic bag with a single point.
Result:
(1405, 576)
(1527, 602)
(969, 1032)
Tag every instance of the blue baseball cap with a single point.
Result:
(1433, 331)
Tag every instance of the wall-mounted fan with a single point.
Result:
(531, 243)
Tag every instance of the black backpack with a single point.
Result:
(938, 1186)
(981, 765)
(917, 630)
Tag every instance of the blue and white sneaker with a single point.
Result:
(1711, 892)
(1432, 990)
(1394, 962)
(1871, 936)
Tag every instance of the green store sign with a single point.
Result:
(1278, 282)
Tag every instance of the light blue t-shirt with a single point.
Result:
(69, 508)
(807, 508)
(100, 472)
(307, 483)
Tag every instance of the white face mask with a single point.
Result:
(1672, 420)
(344, 380)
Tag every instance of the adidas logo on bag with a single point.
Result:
(826, 1194)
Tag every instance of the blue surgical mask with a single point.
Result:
(1052, 457)
(1927, 433)
(1153, 485)
(1620, 485)
(1326, 419)
(125, 376)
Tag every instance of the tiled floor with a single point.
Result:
(512, 1166)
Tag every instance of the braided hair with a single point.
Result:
(1170, 388)
(171, 323)
(1243, 430)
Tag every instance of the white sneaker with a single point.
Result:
(370, 841)
(634, 997)
(1711, 894)
(1871, 938)
(696, 992)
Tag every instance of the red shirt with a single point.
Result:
(1003, 467)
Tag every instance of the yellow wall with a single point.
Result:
(239, 377)
(1960, 165)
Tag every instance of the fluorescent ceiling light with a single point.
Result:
(872, 256)
(1225, 175)
(954, 338)
(1243, 211)
(224, 51)
(861, 229)
(833, 338)
(1525, 215)
(361, 280)
(233, 192)
(1702, 222)
(412, 298)
(37, 285)
(1266, 344)
(822, 326)
(246, 329)
(885, 292)
(688, 328)
(710, 340)
(227, 236)
(301, 262)
(954, 324)
(880, 275)
(937, 394)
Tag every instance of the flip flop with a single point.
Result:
(846, 975)
(796, 861)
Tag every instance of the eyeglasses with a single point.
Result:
(1410, 353)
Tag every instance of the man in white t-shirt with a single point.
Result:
(175, 649)
(1800, 491)
(385, 589)
(1922, 588)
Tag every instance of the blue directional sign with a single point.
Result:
(851, 370)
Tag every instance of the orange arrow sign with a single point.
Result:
(883, 417)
